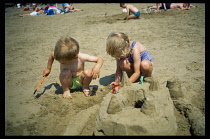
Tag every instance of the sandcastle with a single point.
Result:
(137, 110)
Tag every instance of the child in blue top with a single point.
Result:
(131, 57)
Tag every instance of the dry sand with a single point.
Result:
(174, 38)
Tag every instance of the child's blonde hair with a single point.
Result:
(117, 43)
(66, 48)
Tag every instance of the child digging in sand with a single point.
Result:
(131, 57)
(130, 9)
(72, 62)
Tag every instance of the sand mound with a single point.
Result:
(137, 110)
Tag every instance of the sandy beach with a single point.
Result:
(174, 38)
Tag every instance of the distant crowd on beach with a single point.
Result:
(131, 11)
(47, 9)
(165, 6)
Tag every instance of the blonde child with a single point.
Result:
(72, 62)
(131, 57)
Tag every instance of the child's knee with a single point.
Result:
(145, 65)
(88, 73)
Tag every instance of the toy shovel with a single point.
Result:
(39, 83)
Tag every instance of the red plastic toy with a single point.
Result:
(113, 87)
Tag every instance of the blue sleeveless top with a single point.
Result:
(144, 56)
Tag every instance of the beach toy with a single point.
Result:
(39, 83)
(114, 91)
(141, 81)
(124, 10)
(147, 10)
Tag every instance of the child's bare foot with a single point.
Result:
(87, 92)
(67, 94)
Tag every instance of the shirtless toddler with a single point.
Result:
(72, 62)
(132, 11)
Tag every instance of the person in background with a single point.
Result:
(34, 5)
(68, 7)
(132, 11)
(18, 6)
(172, 6)
(38, 11)
(74, 9)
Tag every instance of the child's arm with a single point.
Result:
(46, 72)
(136, 65)
(128, 12)
(98, 65)
(118, 74)
(164, 4)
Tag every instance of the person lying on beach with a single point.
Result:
(54, 8)
(162, 5)
(188, 6)
(72, 62)
(34, 5)
(70, 8)
(171, 6)
(38, 11)
(131, 57)
(66, 7)
(74, 9)
(132, 11)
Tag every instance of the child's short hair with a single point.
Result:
(117, 45)
(121, 4)
(66, 48)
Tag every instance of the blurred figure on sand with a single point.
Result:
(38, 11)
(34, 5)
(74, 9)
(69, 8)
(188, 6)
(132, 11)
(18, 6)
(172, 6)
(131, 57)
(72, 63)
(162, 5)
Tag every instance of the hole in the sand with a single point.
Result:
(138, 104)
(101, 131)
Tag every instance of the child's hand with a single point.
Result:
(96, 73)
(46, 72)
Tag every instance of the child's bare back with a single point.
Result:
(176, 6)
(131, 8)
(132, 11)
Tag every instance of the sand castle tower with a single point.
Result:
(137, 110)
